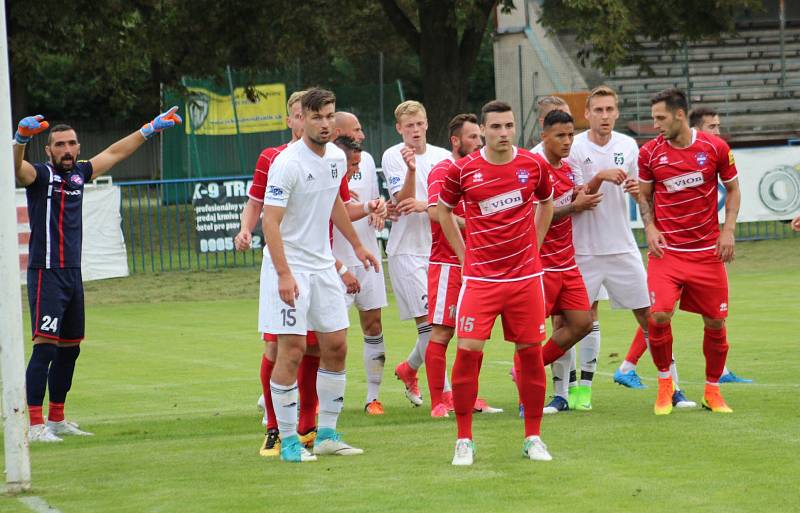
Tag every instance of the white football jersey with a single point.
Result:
(306, 185)
(605, 230)
(364, 183)
(411, 234)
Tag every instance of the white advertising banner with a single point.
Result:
(103, 253)
(769, 179)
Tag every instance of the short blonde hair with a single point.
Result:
(409, 108)
(602, 90)
(294, 98)
(545, 104)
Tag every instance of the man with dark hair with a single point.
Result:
(678, 173)
(501, 268)
(55, 288)
(444, 271)
(301, 286)
(566, 300)
(705, 119)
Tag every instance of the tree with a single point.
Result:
(447, 36)
(611, 31)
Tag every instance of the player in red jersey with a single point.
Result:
(678, 174)
(501, 268)
(444, 270)
(567, 302)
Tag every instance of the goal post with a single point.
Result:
(12, 355)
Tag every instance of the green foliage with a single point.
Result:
(612, 30)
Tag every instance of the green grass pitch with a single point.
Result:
(168, 380)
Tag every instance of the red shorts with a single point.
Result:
(697, 279)
(565, 290)
(520, 303)
(311, 338)
(444, 285)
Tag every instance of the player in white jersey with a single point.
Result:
(406, 166)
(363, 184)
(302, 288)
(605, 250)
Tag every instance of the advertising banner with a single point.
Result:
(263, 110)
(218, 209)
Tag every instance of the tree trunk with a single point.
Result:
(447, 59)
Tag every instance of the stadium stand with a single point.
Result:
(750, 78)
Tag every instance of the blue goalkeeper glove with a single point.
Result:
(161, 122)
(29, 127)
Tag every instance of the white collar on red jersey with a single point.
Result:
(513, 153)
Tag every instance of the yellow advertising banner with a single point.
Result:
(212, 114)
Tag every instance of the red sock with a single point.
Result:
(517, 367)
(307, 387)
(715, 347)
(660, 344)
(266, 372)
(466, 370)
(55, 412)
(532, 387)
(638, 347)
(35, 415)
(436, 368)
(551, 352)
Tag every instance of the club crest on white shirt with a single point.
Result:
(678, 183)
(334, 170)
(619, 159)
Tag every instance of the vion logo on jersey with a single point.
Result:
(563, 200)
(678, 183)
(500, 202)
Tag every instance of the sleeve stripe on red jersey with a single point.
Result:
(731, 179)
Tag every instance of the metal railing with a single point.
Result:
(158, 222)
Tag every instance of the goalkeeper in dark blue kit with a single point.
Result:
(54, 191)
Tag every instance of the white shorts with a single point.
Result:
(373, 289)
(622, 275)
(409, 275)
(319, 307)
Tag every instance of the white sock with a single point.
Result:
(374, 360)
(590, 350)
(417, 355)
(330, 390)
(447, 387)
(561, 368)
(626, 366)
(284, 400)
(725, 370)
(673, 371)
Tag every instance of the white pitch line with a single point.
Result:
(38, 505)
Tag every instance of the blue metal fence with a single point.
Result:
(158, 222)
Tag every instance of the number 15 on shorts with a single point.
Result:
(288, 316)
(466, 324)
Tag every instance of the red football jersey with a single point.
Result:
(501, 235)
(685, 188)
(344, 193)
(441, 251)
(260, 175)
(557, 251)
